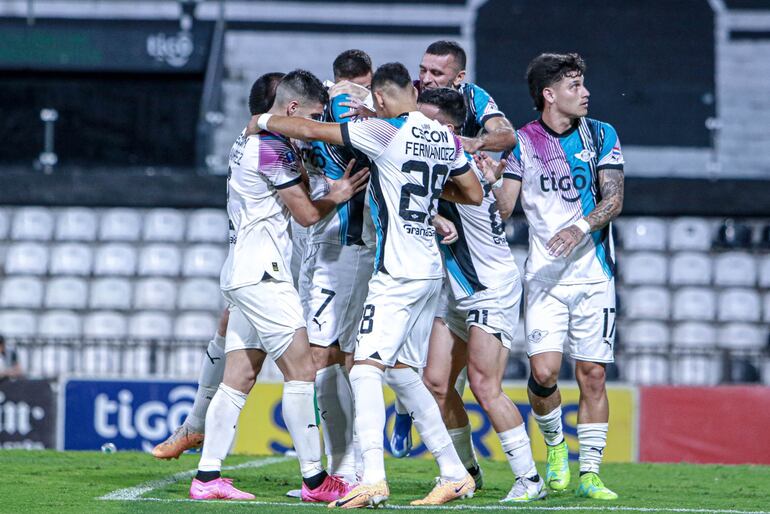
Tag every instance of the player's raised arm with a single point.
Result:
(297, 128)
(498, 136)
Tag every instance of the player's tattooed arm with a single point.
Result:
(498, 136)
(611, 186)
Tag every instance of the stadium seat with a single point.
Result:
(644, 268)
(110, 293)
(26, 259)
(163, 225)
(160, 260)
(71, 259)
(690, 234)
(32, 223)
(643, 234)
(733, 234)
(648, 303)
(135, 359)
(766, 308)
(66, 293)
(764, 272)
(120, 225)
(641, 335)
(739, 305)
(207, 226)
(694, 303)
(98, 358)
(155, 293)
(59, 325)
(200, 294)
(696, 370)
(76, 224)
(51, 360)
(149, 325)
(196, 326)
(694, 334)
(743, 371)
(742, 336)
(105, 325)
(5, 223)
(764, 238)
(645, 369)
(26, 292)
(185, 360)
(690, 269)
(115, 259)
(17, 323)
(203, 261)
(735, 269)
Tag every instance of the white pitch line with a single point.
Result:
(135, 493)
(472, 507)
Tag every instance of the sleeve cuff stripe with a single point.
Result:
(609, 167)
(512, 176)
(459, 171)
(345, 135)
(290, 183)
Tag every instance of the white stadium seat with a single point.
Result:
(735, 269)
(5, 223)
(644, 268)
(690, 234)
(105, 325)
(160, 260)
(163, 225)
(99, 358)
(26, 259)
(110, 293)
(645, 369)
(17, 323)
(694, 303)
(690, 269)
(645, 335)
(149, 325)
(185, 360)
(203, 261)
(648, 303)
(644, 234)
(195, 326)
(739, 305)
(71, 259)
(766, 308)
(115, 259)
(155, 293)
(200, 294)
(66, 293)
(24, 292)
(207, 226)
(764, 271)
(51, 360)
(694, 334)
(120, 225)
(32, 223)
(59, 324)
(742, 336)
(696, 370)
(76, 224)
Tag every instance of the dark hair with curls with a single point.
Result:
(546, 70)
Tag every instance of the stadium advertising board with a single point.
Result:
(27, 414)
(708, 425)
(262, 430)
(133, 415)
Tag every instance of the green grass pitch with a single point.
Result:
(56, 482)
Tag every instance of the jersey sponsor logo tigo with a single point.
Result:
(565, 185)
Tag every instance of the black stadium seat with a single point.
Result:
(733, 234)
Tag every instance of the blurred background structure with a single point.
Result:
(118, 116)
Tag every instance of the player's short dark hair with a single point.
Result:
(391, 73)
(262, 93)
(452, 48)
(449, 101)
(301, 84)
(546, 70)
(352, 64)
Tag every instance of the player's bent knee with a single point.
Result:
(437, 387)
(485, 389)
(591, 377)
(541, 390)
(544, 376)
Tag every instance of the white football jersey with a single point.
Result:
(412, 156)
(480, 258)
(260, 237)
(560, 184)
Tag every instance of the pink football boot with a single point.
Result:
(219, 489)
(331, 489)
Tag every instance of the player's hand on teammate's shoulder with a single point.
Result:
(565, 240)
(252, 128)
(357, 109)
(346, 87)
(490, 168)
(471, 144)
(343, 189)
(446, 229)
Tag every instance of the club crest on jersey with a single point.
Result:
(585, 155)
(536, 336)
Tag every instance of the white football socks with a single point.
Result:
(300, 415)
(212, 370)
(418, 401)
(335, 403)
(592, 438)
(366, 381)
(515, 443)
(463, 443)
(221, 418)
(550, 426)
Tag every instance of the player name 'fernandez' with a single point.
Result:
(427, 151)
